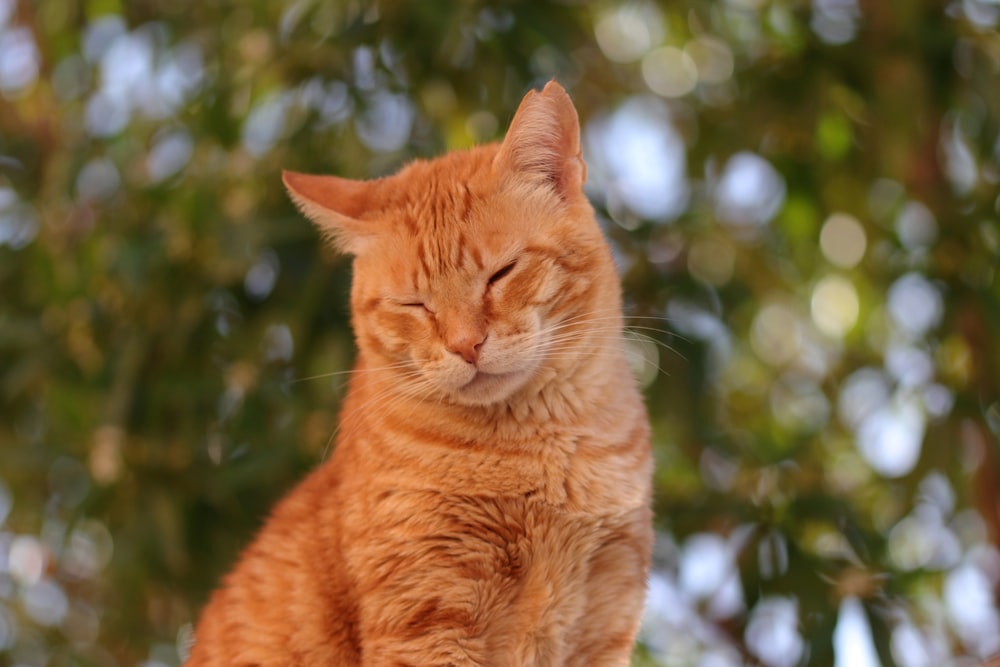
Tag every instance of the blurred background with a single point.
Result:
(802, 196)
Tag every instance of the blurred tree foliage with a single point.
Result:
(803, 199)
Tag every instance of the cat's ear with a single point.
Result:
(335, 205)
(543, 141)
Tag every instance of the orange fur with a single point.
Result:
(487, 502)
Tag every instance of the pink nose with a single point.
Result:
(467, 345)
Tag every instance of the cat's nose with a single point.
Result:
(467, 345)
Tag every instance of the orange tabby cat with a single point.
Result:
(488, 499)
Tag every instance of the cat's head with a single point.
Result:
(476, 274)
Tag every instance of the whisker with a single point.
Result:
(582, 319)
(578, 322)
(567, 345)
(558, 341)
(623, 337)
(383, 396)
(402, 364)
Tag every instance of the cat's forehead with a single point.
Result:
(453, 199)
(458, 215)
(447, 236)
(454, 234)
(445, 189)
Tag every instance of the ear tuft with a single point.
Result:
(335, 205)
(543, 141)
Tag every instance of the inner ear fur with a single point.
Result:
(335, 205)
(543, 141)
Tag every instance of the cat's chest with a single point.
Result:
(524, 571)
(576, 471)
(516, 539)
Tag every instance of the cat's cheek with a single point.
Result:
(537, 295)
(518, 346)
(394, 335)
(378, 345)
(401, 325)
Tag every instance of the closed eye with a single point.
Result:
(414, 305)
(501, 273)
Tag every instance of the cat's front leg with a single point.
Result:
(616, 593)
(437, 631)
(391, 654)
(425, 595)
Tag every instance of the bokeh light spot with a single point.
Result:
(853, 645)
(265, 124)
(916, 226)
(712, 58)
(971, 608)
(772, 633)
(712, 260)
(835, 306)
(835, 21)
(88, 550)
(864, 391)
(911, 366)
(45, 602)
(842, 240)
(18, 220)
(104, 117)
(774, 334)
(278, 344)
(938, 400)
(772, 555)
(915, 305)
(910, 544)
(643, 358)
(386, 122)
(261, 276)
(625, 33)
(704, 564)
(6, 12)
(100, 34)
(19, 61)
(750, 191)
(169, 155)
(669, 71)
(27, 560)
(891, 437)
(97, 181)
(636, 155)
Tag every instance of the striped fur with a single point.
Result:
(487, 502)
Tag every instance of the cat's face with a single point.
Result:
(474, 272)
(469, 293)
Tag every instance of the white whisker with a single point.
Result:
(392, 392)
(352, 371)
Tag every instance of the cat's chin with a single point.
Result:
(487, 388)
